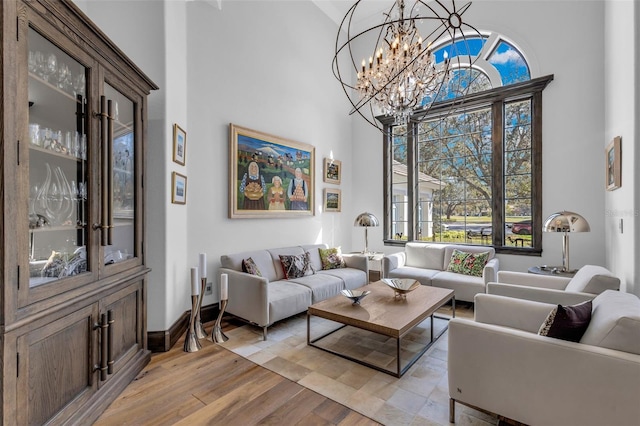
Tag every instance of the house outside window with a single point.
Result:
(471, 174)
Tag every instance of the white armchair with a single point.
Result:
(587, 283)
(499, 364)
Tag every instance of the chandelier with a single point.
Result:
(403, 74)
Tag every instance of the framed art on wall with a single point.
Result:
(179, 145)
(178, 188)
(269, 176)
(332, 200)
(613, 164)
(332, 171)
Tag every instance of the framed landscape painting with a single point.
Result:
(332, 200)
(178, 188)
(179, 145)
(332, 171)
(269, 176)
(613, 158)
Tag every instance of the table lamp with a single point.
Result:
(565, 222)
(366, 220)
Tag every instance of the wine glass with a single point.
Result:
(52, 66)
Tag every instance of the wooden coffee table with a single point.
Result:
(382, 313)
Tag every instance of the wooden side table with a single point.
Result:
(551, 270)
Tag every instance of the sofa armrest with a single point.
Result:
(544, 295)
(508, 312)
(490, 271)
(393, 261)
(248, 296)
(357, 261)
(561, 382)
(533, 280)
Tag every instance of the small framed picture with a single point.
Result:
(178, 188)
(332, 200)
(179, 145)
(332, 171)
(613, 162)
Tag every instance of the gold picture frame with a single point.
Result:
(178, 188)
(269, 176)
(332, 200)
(613, 164)
(179, 145)
(332, 171)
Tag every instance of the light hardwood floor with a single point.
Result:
(214, 386)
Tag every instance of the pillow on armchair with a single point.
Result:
(593, 279)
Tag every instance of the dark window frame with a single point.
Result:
(495, 98)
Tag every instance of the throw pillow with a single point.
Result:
(250, 267)
(332, 258)
(468, 263)
(295, 266)
(567, 322)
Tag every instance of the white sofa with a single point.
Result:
(587, 283)
(499, 363)
(428, 262)
(263, 300)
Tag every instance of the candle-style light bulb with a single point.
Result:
(363, 66)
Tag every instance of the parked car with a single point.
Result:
(521, 228)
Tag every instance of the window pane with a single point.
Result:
(454, 159)
(509, 63)
(517, 178)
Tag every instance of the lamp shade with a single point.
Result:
(566, 221)
(366, 219)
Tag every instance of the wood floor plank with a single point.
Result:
(215, 386)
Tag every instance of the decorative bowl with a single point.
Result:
(401, 286)
(355, 295)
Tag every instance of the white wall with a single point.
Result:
(621, 117)
(266, 65)
(254, 65)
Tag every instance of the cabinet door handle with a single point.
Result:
(109, 175)
(110, 321)
(104, 329)
(105, 170)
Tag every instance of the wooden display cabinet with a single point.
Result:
(73, 313)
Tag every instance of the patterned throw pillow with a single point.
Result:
(332, 258)
(468, 263)
(296, 266)
(567, 322)
(250, 267)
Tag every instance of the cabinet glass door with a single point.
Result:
(121, 186)
(58, 175)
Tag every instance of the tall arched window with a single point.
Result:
(471, 174)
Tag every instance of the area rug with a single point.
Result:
(419, 397)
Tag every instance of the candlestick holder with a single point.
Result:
(216, 334)
(191, 342)
(200, 332)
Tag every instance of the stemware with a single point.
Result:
(51, 67)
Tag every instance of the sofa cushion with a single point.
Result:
(468, 263)
(250, 267)
(448, 251)
(296, 265)
(262, 259)
(322, 286)
(275, 259)
(351, 277)
(615, 322)
(465, 287)
(427, 256)
(332, 258)
(567, 322)
(593, 279)
(423, 275)
(314, 254)
(287, 298)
